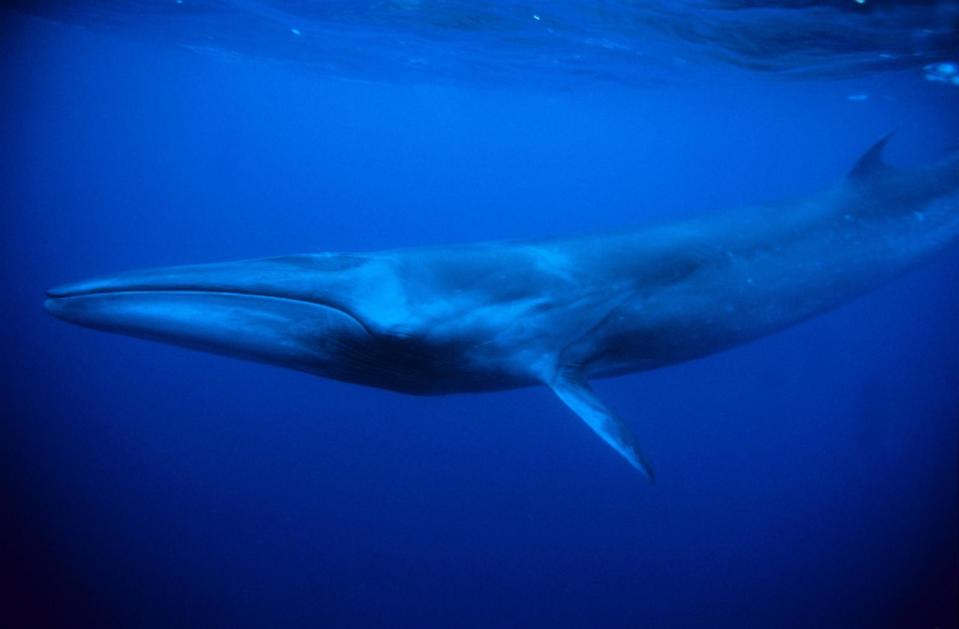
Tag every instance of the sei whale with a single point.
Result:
(553, 312)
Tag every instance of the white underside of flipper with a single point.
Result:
(574, 390)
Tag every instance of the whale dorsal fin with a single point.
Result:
(871, 162)
(573, 389)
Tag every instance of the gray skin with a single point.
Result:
(489, 317)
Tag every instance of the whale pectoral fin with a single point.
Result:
(576, 393)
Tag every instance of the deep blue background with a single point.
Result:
(809, 479)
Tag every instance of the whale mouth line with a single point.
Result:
(60, 296)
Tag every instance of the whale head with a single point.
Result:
(293, 311)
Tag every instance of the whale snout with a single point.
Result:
(78, 288)
(53, 305)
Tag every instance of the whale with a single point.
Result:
(553, 312)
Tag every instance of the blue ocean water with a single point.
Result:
(805, 480)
